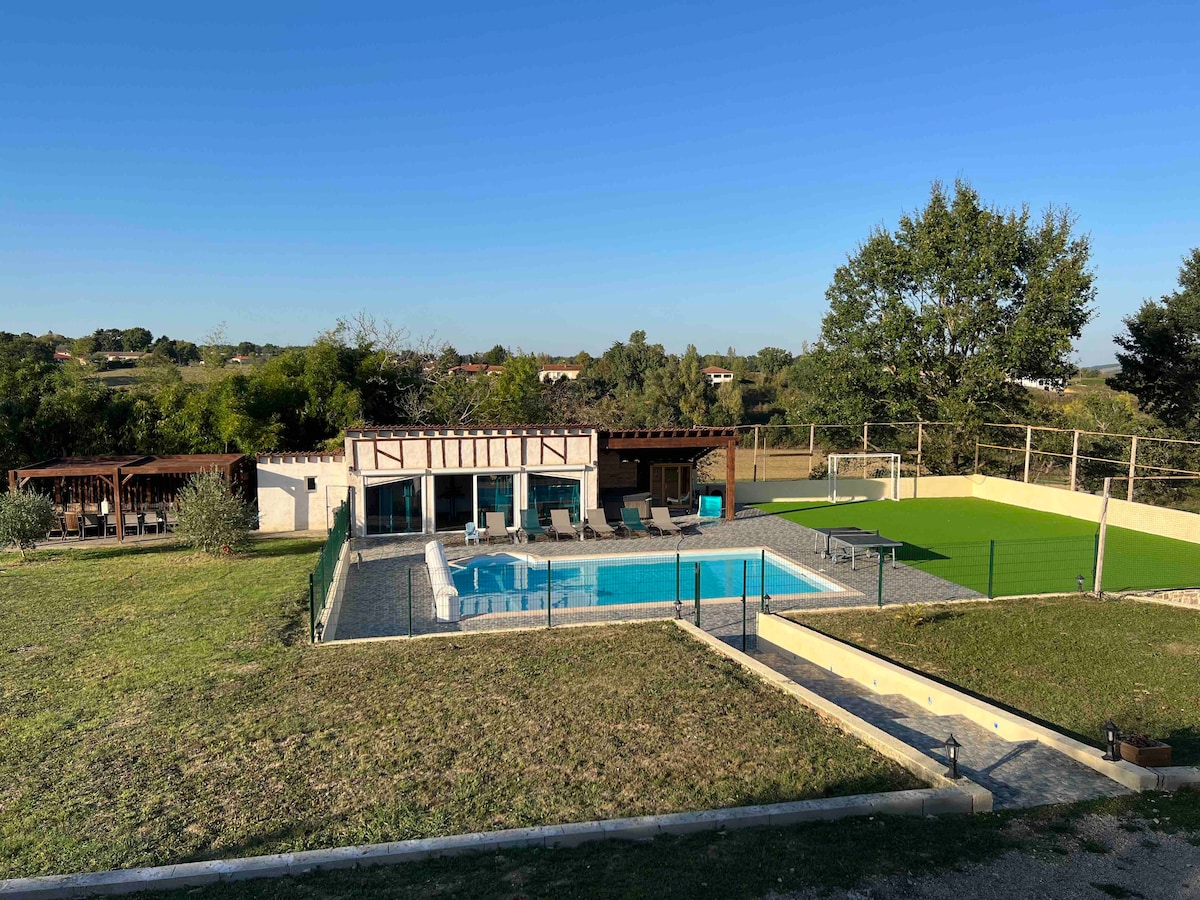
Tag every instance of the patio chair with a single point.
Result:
(471, 533)
(170, 520)
(153, 520)
(598, 525)
(133, 523)
(660, 521)
(71, 525)
(110, 524)
(497, 525)
(530, 526)
(710, 509)
(633, 521)
(91, 522)
(560, 525)
(58, 529)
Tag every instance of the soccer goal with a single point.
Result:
(848, 466)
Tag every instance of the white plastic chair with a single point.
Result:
(471, 533)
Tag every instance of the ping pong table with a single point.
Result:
(850, 544)
(823, 535)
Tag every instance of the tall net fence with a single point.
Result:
(794, 452)
(321, 581)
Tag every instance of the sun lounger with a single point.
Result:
(710, 509)
(660, 521)
(598, 525)
(560, 525)
(530, 526)
(633, 521)
(497, 526)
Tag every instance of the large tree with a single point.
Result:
(1161, 362)
(939, 318)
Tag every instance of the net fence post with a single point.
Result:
(1101, 534)
(697, 595)
(549, 622)
(991, 569)
(410, 601)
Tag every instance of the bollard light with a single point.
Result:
(1112, 734)
(952, 746)
(678, 608)
(767, 604)
(1079, 582)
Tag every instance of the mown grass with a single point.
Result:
(1036, 552)
(1071, 662)
(156, 707)
(735, 865)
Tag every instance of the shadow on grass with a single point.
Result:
(815, 505)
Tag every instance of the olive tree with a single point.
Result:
(26, 517)
(213, 518)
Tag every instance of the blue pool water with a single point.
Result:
(516, 583)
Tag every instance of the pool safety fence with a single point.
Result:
(719, 592)
(320, 580)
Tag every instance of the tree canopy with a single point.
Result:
(940, 318)
(1160, 364)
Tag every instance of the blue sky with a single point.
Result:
(552, 175)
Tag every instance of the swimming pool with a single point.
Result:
(510, 582)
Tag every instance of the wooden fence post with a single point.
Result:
(1028, 449)
(1074, 458)
(1132, 467)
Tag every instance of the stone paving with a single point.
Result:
(1019, 774)
(375, 601)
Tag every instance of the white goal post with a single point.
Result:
(875, 466)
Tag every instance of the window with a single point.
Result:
(547, 492)
(311, 483)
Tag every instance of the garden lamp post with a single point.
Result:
(1112, 734)
(952, 746)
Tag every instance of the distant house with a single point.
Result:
(62, 356)
(476, 369)
(715, 375)
(123, 355)
(241, 360)
(1041, 384)
(558, 371)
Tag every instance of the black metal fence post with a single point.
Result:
(549, 622)
(745, 571)
(410, 601)
(991, 569)
(880, 552)
(762, 579)
(697, 595)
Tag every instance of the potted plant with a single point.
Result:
(1142, 750)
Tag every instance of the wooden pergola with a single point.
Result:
(129, 482)
(698, 440)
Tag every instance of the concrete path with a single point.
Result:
(1019, 774)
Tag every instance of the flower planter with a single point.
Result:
(1156, 755)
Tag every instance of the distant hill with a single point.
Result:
(1107, 369)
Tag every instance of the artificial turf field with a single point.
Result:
(1035, 552)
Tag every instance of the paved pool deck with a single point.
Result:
(375, 598)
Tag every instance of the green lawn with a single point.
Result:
(1071, 662)
(1035, 552)
(157, 707)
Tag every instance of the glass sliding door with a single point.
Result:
(454, 501)
(494, 493)
(547, 492)
(394, 508)
(671, 484)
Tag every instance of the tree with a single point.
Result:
(212, 518)
(136, 339)
(497, 356)
(772, 360)
(1161, 362)
(938, 319)
(26, 517)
